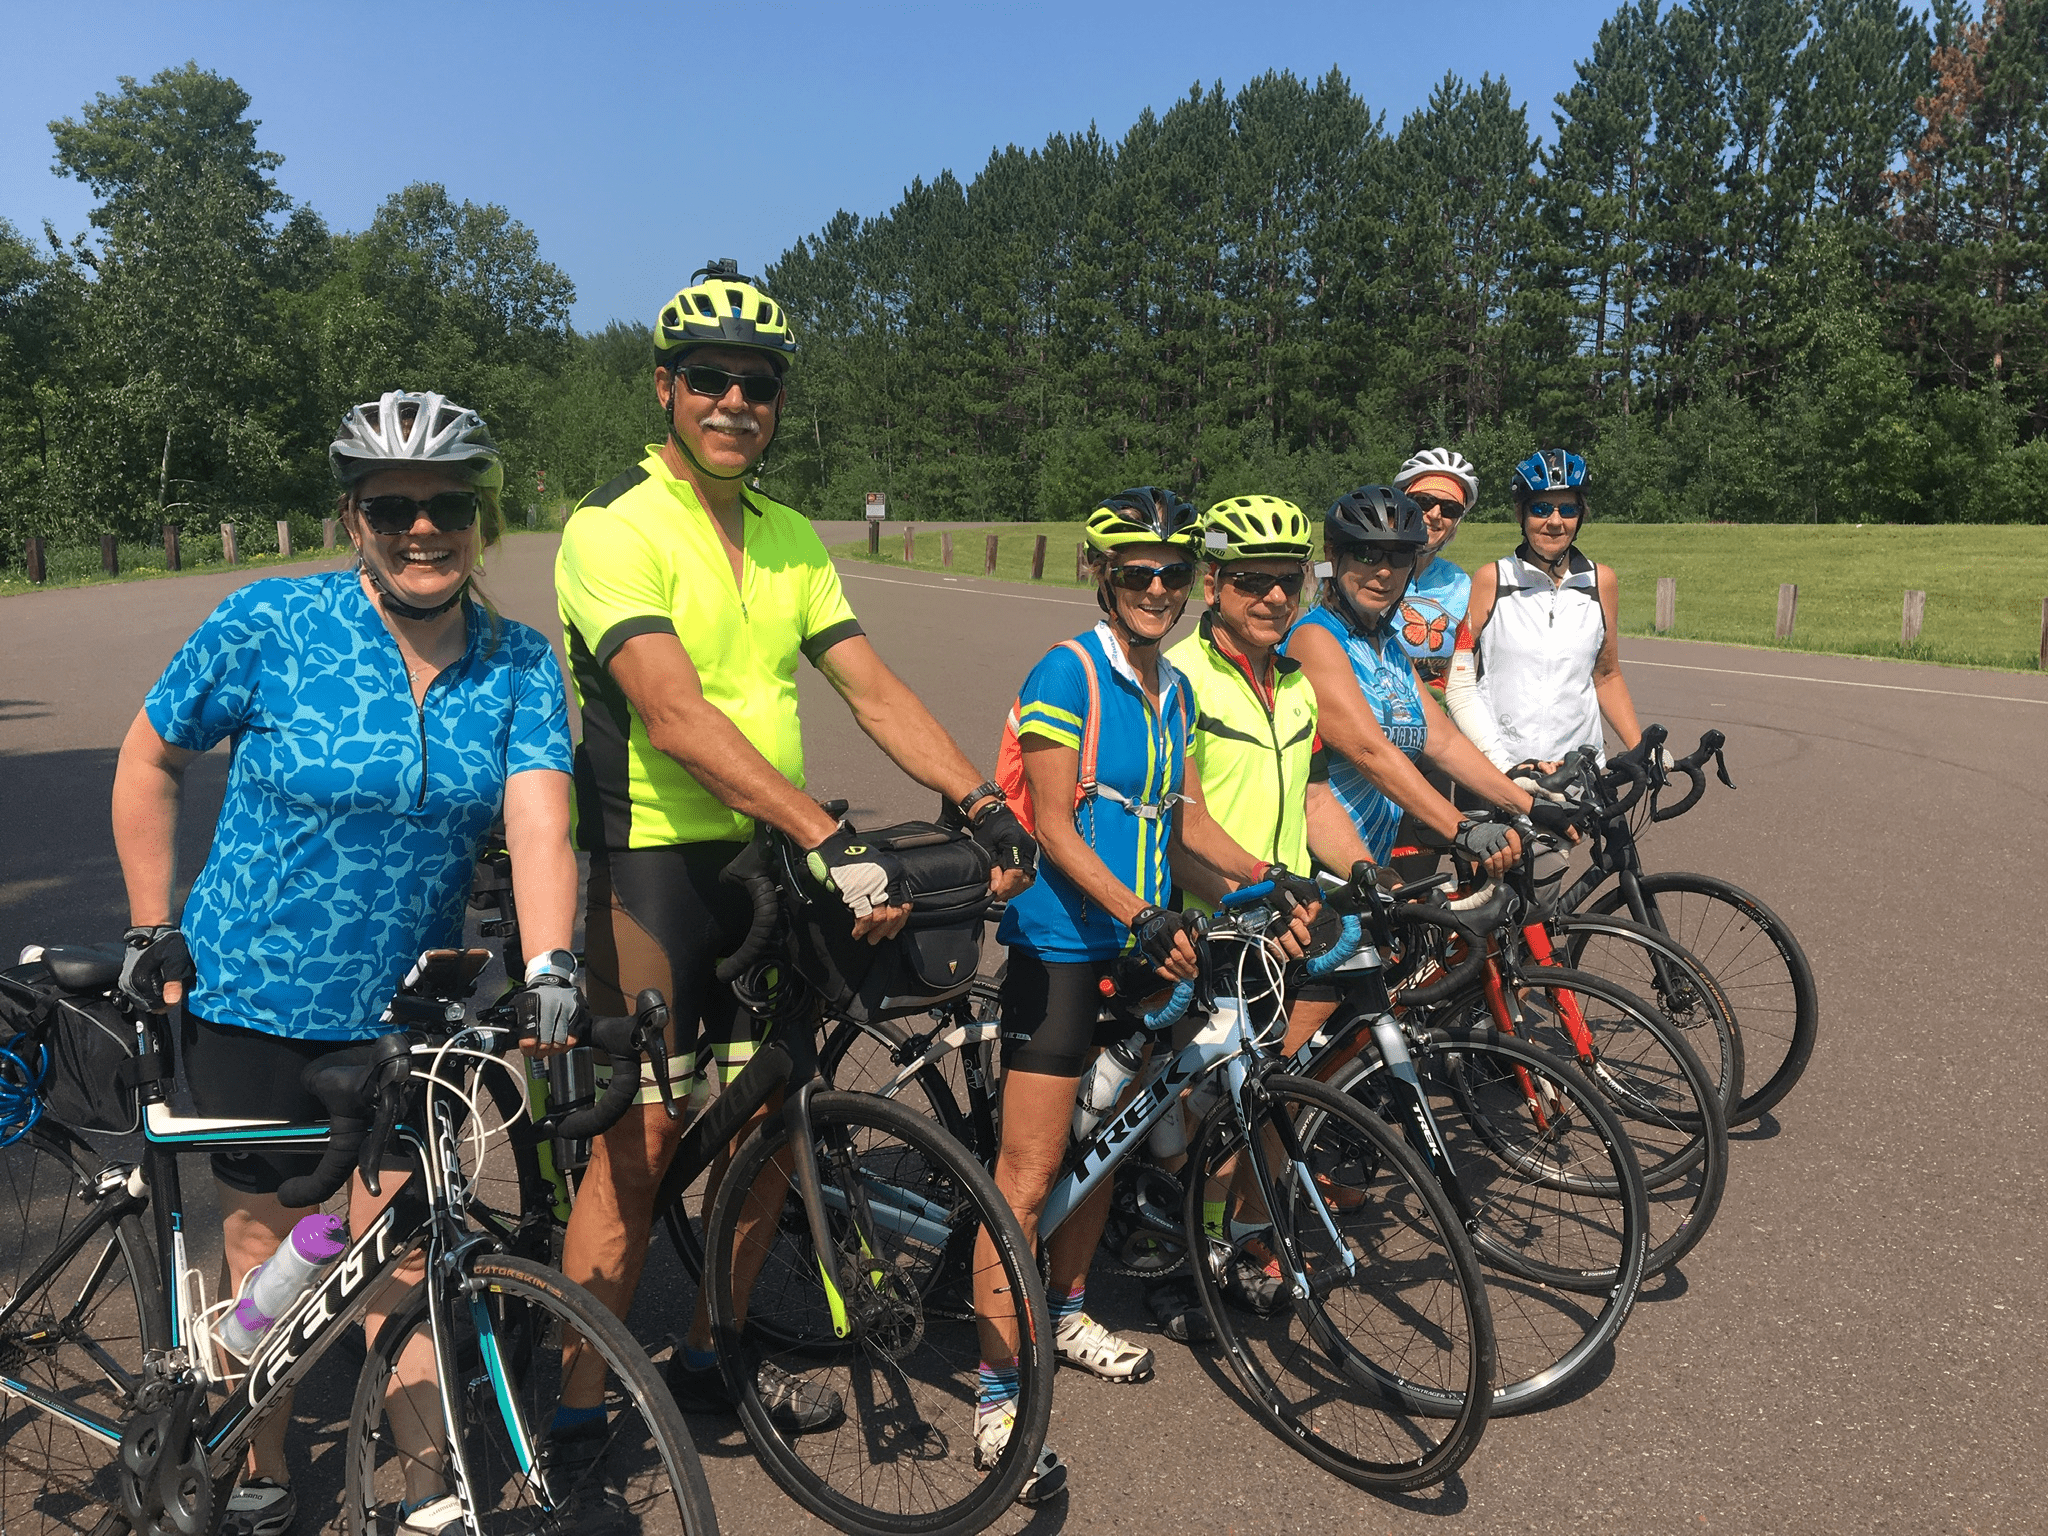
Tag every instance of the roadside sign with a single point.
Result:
(878, 508)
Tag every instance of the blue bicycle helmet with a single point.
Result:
(1549, 469)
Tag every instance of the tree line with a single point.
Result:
(1772, 260)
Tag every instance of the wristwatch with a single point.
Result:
(556, 962)
(987, 789)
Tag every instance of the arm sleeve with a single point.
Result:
(828, 616)
(1053, 702)
(539, 737)
(610, 583)
(209, 691)
(1462, 701)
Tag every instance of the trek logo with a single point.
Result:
(1102, 1146)
(287, 1342)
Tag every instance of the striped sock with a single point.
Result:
(998, 1384)
(1064, 1307)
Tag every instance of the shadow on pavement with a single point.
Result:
(60, 882)
(1765, 1127)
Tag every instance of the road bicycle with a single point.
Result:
(124, 1409)
(1759, 972)
(840, 1241)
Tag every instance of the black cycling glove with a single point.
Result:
(1551, 817)
(547, 1010)
(1481, 840)
(1155, 929)
(863, 874)
(153, 956)
(1295, 890)
(999, 831)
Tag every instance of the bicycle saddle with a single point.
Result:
(82, 967)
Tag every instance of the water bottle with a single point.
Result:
(1105, 1083)
(272, 1287)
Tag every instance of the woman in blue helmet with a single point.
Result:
(1538, 663)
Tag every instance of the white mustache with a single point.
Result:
(718, 421)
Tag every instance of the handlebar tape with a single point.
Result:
(1456, 977)
(1698, 778)
(337, 1162)
(1171, 1011)
(1350, 936)
(761, 890)
(615, 1037)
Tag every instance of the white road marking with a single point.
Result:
(1837, 682)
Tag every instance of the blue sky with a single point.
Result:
(639, 139)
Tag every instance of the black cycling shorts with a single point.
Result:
(1052, 1014)
(246, 1074)
(661, 917)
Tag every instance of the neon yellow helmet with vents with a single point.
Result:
(724, 309)
(1256, 528)
(1143, 514)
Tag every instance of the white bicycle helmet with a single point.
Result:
(401, 428)
(1441, 461)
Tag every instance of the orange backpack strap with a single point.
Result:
(1091, 727)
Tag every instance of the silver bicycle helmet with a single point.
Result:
(401, 429)
(1440, 461)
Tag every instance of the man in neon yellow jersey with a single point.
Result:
(688, 598)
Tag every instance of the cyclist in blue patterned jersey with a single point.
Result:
(1377, 722)
(381, 719)
(1442, 482)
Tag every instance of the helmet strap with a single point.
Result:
(397, 607)
(675, 392)
(1338, 601)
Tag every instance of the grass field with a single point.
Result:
(1984, 584)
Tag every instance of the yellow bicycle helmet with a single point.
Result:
(725, 309)
(1143, 515)
(1256, 528)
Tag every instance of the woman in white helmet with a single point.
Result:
(381, 718)
(1444, 484)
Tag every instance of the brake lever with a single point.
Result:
(1721, 769)
(650, 1038)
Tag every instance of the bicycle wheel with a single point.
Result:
(1654, 1081)
(511, 1195)
(904, 1202)
(1553, 1200)
(1658, 969)
(71, 1342)
(863, 1058)
(1383, 1372)
(510, 1382)
(1759, 967)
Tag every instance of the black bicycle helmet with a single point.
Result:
(1374, 514)
(1144, 514)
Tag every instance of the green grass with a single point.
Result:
(78, 565)
(1984, 584)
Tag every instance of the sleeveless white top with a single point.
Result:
(1536, 659)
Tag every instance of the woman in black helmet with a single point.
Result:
(1377, 721)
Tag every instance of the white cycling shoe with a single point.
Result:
(1085, 1343)
(992, 1426)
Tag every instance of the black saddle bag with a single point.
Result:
(931, 962)
(95, 1062)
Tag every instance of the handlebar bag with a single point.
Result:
(936, 956)
(96, 1060)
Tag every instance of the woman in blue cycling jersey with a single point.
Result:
(1442, 482)
(1379, 725)
(381, 718)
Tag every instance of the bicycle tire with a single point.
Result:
(1757, 963)
(1425, 1376)
(1665, 1097)
(859, 1058)
(76, 1342)
(1660, 970)
(648, 1451)
(906, 1376)
(1560, 1218)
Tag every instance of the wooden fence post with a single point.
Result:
(284, 538)
(1667, 603)
(110, 555)
(327, 533)
(1081, 563)
(874, 538)
(946, 549)
(228, 553)
(910, 543)
(1915, 615)
(171, 561)
(1038, 558)
(988, 563)
(39, 570)
(1788, 608)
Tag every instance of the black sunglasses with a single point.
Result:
(1440, 504)
(755, 388)
(1177, 577)
(1395, 555)
(1256, 584)
(448, 511)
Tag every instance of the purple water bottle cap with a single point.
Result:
(250, 1317)
(319, 1238)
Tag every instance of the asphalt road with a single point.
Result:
(1857, 1345)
